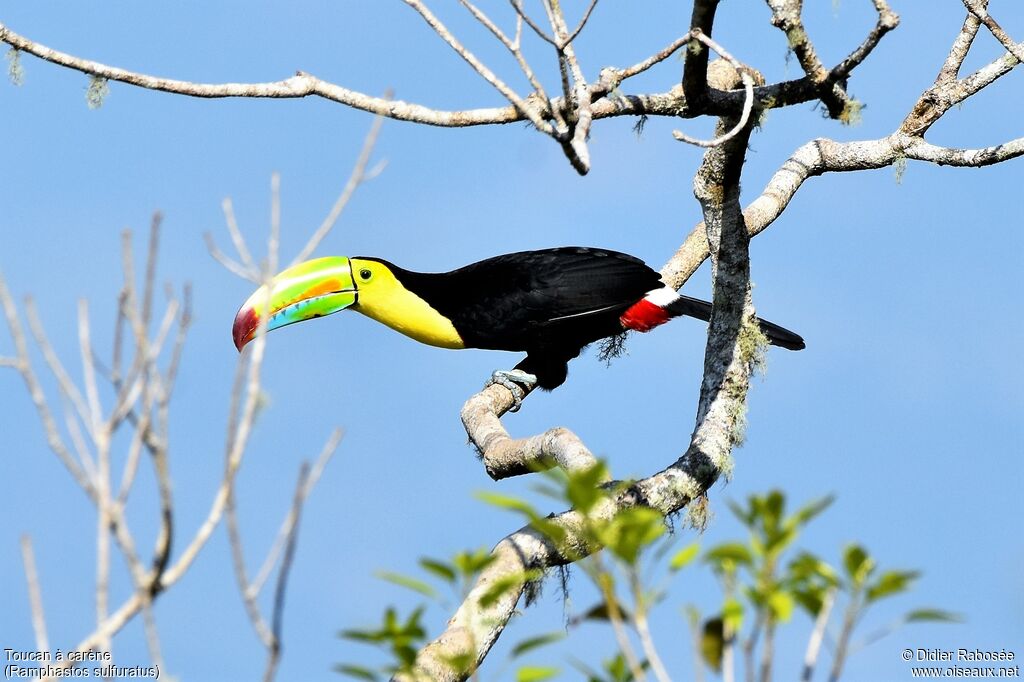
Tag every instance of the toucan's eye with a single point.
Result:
(365, 274)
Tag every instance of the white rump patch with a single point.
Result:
(662, 297)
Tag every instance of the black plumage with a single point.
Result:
(549, 303)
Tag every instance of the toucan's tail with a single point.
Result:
(661, 305)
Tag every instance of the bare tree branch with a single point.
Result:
(521, 105)
(330, 447)
(22, 363)
(817, 635)
(474, 628)
(357, 177)
(583, 22)
(517, 5)
(277, 617)
(979, 10)
(300, 85)
(695, 68)
(921, 150)
(786, 16)
(748, 99)
(724, 235)
(35, 595)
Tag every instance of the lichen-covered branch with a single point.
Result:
(567, 119)
(830, 85)
(476, 625)
(734, 343)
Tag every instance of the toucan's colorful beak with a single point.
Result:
(311, 289)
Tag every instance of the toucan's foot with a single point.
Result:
(516, 381)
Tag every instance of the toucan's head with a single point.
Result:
(326, 285)
(311, 289)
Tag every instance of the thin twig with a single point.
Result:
(583, 22)
(330, 447)
(517, 5)
(979, 10)
(582, 115)
(236, 236)
(149, 281)
(748, 100)
(229, 264)
(357, 177)
(35, 391)
(817, 635)
(252, 607)
(605, 584)
(277, 617)
(275, 224)
(514, 46)
(643, 629)
(518, 102)
(35, 595)
(64, 383)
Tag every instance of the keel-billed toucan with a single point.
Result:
(549, 303)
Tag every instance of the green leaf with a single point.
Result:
(535, 673)
(746, 516)
(630, 531)
(618, 669)
(890, 583)
(781, 604)
(536, 642)
(736, 552)
(773, 504)
(684, 556)
(807, 512)
(582, 489)
(551, 529)
(732, 614)
(506, 584)
(807, 566)
(439, 568)
(461, 663)
(357, 672)
(549, 491)
(507, 502)
(712, 643)
(933, 616)
(407, 582)
(600, 612)
(471, 563)
(858, 564)
(777, 540)
(810, 599)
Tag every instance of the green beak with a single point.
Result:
(311, 289)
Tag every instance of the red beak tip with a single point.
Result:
(246, 322)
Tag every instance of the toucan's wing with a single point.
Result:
(508, 300)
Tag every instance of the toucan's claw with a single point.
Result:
(516, 381)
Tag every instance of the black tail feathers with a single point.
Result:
(777, 336)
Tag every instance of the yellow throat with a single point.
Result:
(382, 297)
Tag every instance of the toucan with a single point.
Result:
(549, 303)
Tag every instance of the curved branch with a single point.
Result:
(474, 628)
(920, 150)
(504, 457)
(748, 96)
(979, 10)
(522, 106)
(477, 624)
(300, 85)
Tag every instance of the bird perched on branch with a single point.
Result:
(549, 303)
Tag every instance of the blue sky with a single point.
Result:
(906, 403)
